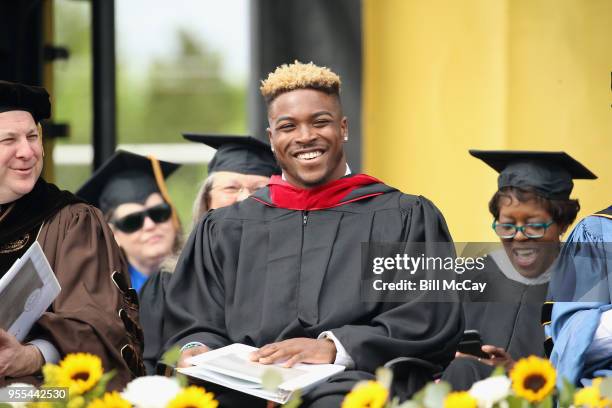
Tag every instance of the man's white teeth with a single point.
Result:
(309, 155)
(524, 252)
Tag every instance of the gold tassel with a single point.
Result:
(161, 184)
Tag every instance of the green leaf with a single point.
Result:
(566, 396)
(499, 370)
(393, 403)
(605, 388)
(419, 396)
(546, 402)
(435, 394)
(516, 402)
(410, 404)
(5, 405)
(295, 401)
(271, 379)
(100, 387)
(182, 380)
(385, 377)
(171, 357)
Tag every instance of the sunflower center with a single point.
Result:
(80, 376)
(534, 382)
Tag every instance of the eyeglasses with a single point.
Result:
(508, 231)
(134, 221)
(237, 189)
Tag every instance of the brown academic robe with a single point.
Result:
(87, 315)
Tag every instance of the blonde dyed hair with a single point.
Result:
(289, 77)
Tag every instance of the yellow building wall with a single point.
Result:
(444, 76)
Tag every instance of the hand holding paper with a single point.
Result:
(17, 360)
(188, 353)
(232, 367)
(298, 350)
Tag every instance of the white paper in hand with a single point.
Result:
(26, 290)
(230, 367)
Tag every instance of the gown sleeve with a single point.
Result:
(94, 312)
(582, 291)
(152, 300)
(429, 330)
(195, 296)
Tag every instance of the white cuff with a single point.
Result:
(192, 344)
(342, 357)
(47, 349)
(601, 345)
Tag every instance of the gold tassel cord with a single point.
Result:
(161, 184)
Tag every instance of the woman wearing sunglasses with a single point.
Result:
(531, 210)
(130, 191)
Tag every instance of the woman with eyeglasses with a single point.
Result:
(531, 210)
(240, 166)
(130, 191)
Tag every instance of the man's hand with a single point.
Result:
(17, 360)
(190, 352)
(299, 350)
(498, 356)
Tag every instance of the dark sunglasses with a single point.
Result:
(133, 222)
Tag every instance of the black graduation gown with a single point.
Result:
(255, 274)
(510, 318)
(152, 298)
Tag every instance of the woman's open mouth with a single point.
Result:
(525, 257)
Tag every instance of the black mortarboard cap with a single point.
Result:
(240, 154)
(124, 178)
(548, 173)
(33, 99)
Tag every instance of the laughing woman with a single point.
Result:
(531, 209)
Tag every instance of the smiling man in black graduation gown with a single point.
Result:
(281, 270)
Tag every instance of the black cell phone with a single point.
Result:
(471, 343)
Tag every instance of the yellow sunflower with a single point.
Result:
(591, 397)
(459, 399)
(193, 397)
(53, 376)
(110, 400)
(81, 372)
(533, 378)
(76, 402)
(371, 394)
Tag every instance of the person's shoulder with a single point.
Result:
(82, 209)
(79, 213)
(416, 202)
(594, 228)
(245, 210)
